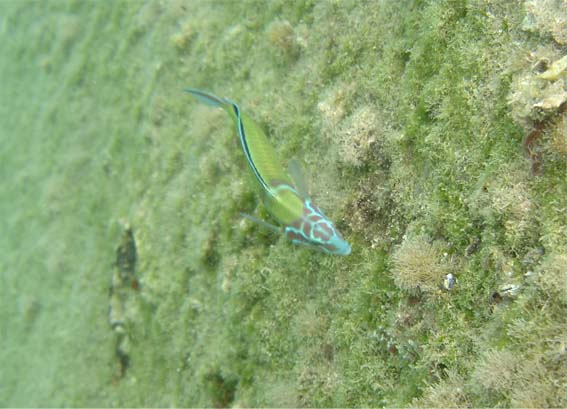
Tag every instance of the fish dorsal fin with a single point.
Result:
(296, 173)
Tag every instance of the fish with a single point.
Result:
(284, 194)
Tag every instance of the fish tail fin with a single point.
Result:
(206, 98)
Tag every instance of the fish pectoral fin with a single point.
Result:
(261, 222)
(296, 173)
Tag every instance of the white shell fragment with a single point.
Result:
(449, 281)
(556, 70)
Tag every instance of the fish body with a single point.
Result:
(285, 197)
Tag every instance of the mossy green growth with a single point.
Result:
(415, 123)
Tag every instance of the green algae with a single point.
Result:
(410, 119)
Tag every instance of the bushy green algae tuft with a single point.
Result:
(413, 122)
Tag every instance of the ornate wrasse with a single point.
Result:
(285, 197)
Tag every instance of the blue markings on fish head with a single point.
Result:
(315, 230)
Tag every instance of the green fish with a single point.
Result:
(283, 193)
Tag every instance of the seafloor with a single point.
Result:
(433, 133)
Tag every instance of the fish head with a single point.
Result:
(314, 229)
